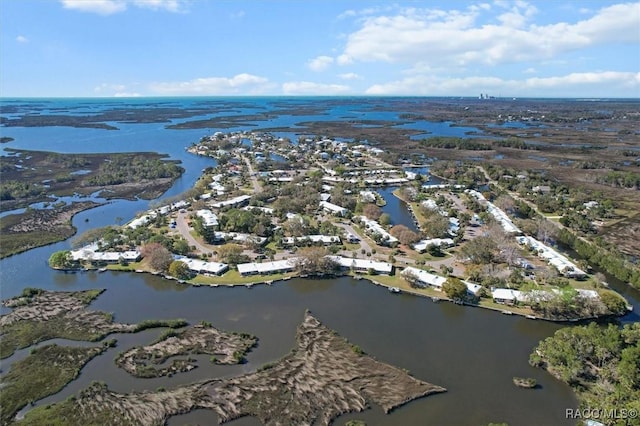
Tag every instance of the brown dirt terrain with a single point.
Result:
(322, 377)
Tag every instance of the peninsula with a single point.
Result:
(275, 208)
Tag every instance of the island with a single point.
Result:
(224, 348)
(322, 377)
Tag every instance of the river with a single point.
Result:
(472, 352)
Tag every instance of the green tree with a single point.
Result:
(613, 302)
(180, 270)
(231, 253)
(61, 260)
(455, 289)
(385, 219)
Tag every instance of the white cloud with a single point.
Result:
(238, 84)
(22, 39)
(349, 76)
(344, 59)
(168, 5)
(109, 88)
(530, 70)
(320, 63)
(126, 95)
(604, 84)
(310, 88)
(456, 37)
(101, 7)
(109, 7)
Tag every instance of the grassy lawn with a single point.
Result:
(351, 247)
(233, 277)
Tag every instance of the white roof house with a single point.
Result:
(209, 218)
(363, 264)
(422, 245)
(239, 237)
(430, 204)
(236, 201)
(507, 295)
(373, 227)
(333, 208)
(368, 196)
(202, 267)
(555, 259)
(425, 278)
(91, 253)
(139, 221)
(266, 210)
(436, 281)
(502, 218)
(263, 268)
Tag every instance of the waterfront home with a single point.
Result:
(363, 265)
(139, 221)
(427, 279)
(368, 196)
(372, 227)
(90, 253)
(201, 267)
(422, 245)
(507, 296)
(264, 268)
(424, 278)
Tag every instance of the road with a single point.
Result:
(252, 175)
(183, 228)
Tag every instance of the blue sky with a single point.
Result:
(108, 48)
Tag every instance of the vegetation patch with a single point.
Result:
(44, 372)
(601, 363)
(225, 348)
(40, 315)
(321, 378)
(38, 227)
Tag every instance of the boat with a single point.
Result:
(435, 299)
(531, 317)
(507, 312)
(394, 289)
(102, 270)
